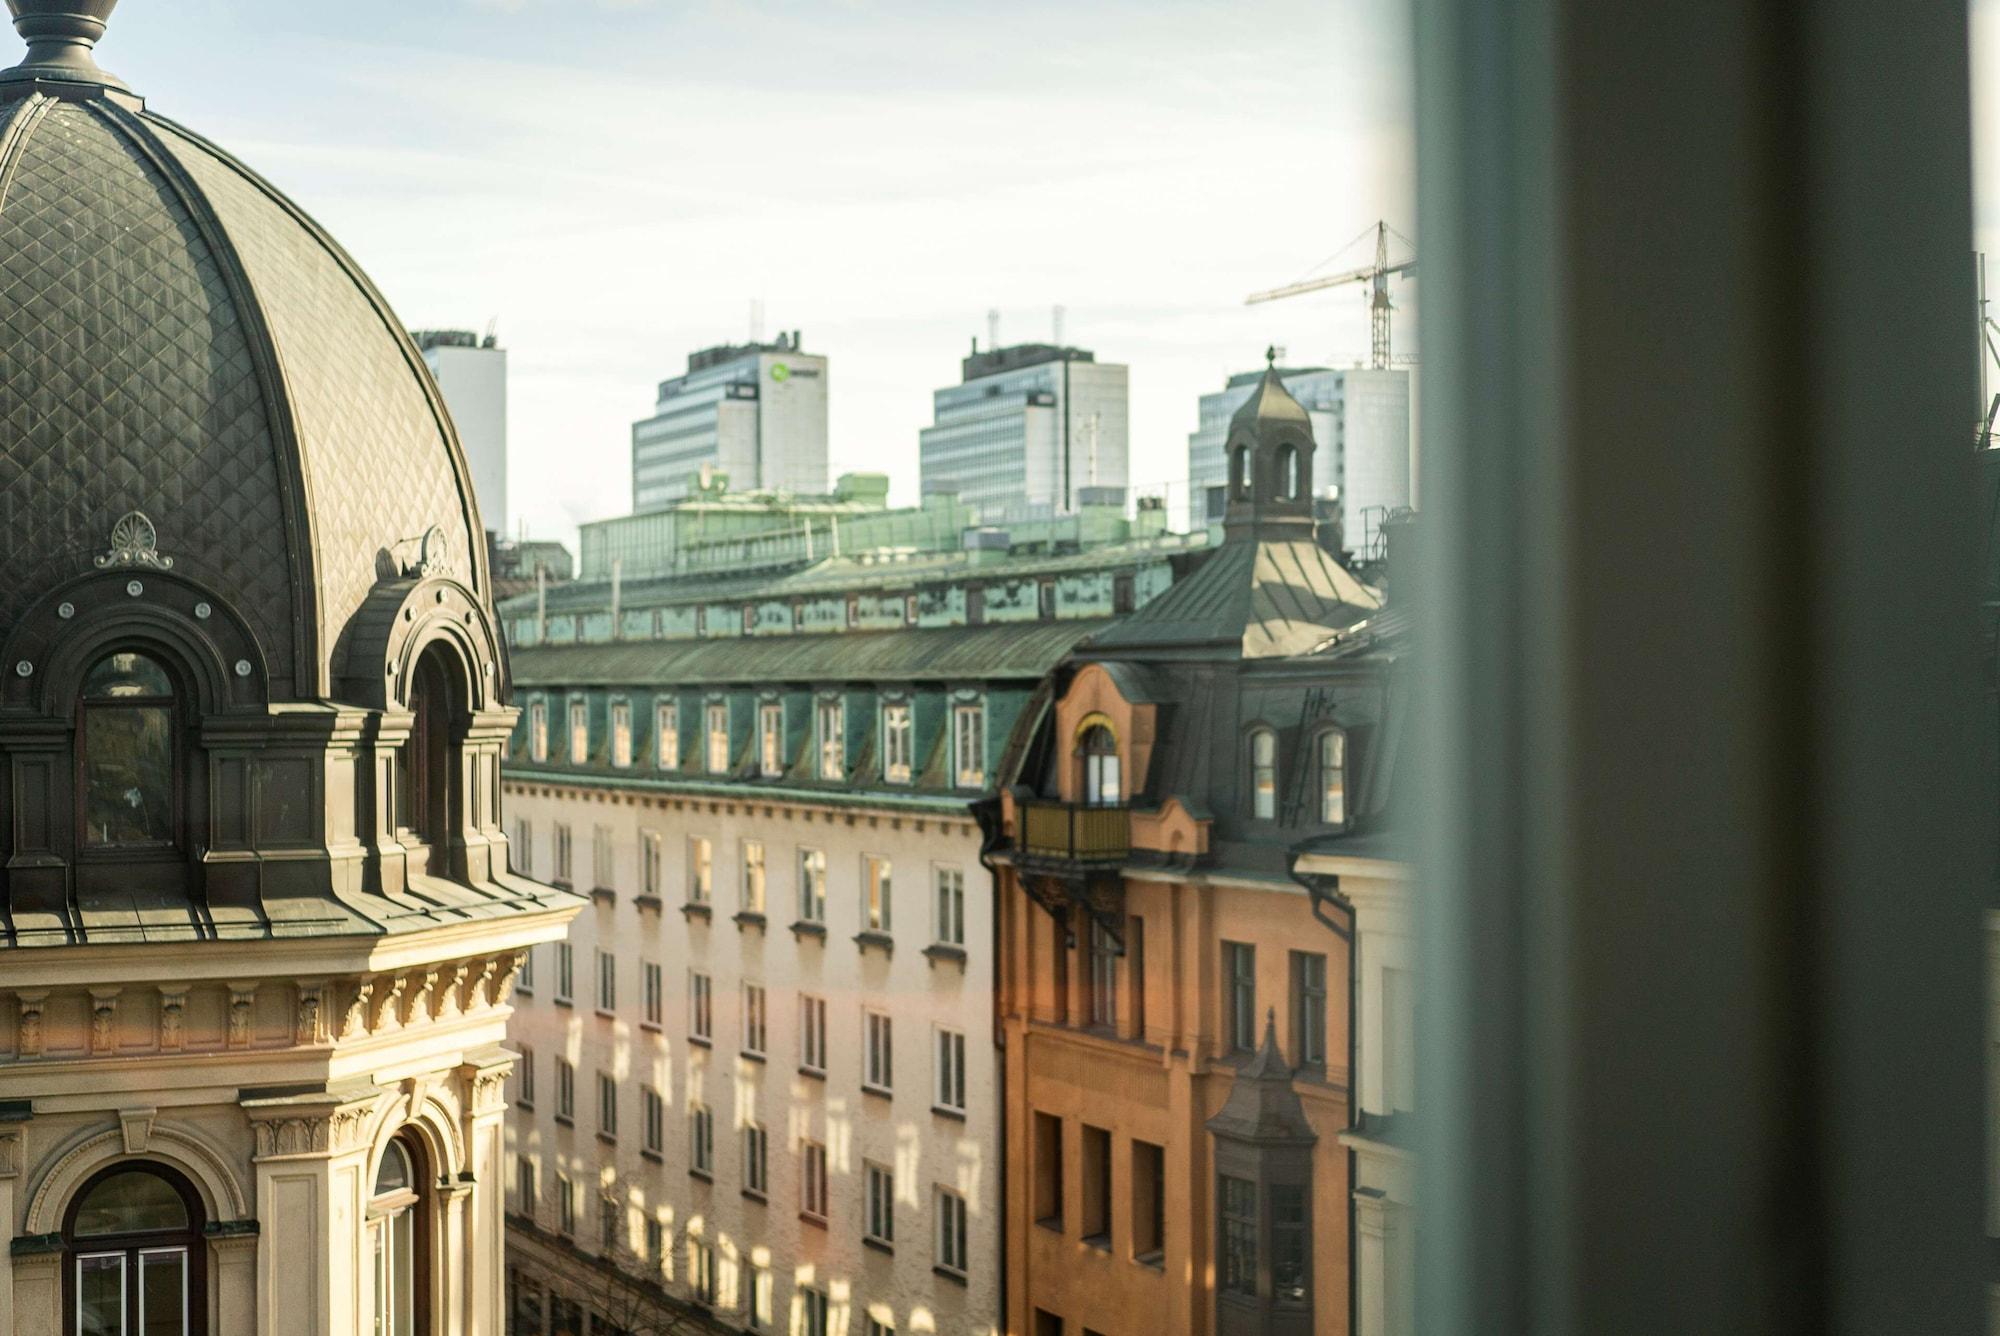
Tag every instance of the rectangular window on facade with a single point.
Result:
(666, 735)
(832, 722)
(1239, 996)
(877, 1073)
(621, 733)
(1291, 1245)
(896, 744)
(876, 884)
(565, 1205)
(813, 1309)
(812, 1180)
(756, 1159)
(565, 972)
(610, 1220)
(812, 1034)
(950, 906)
(1149, 1203)
(1236, 1199)
(563, 855)
(1264, 774)
(701, 1012)
(655, 1117)
(968, 745)
(607, 982)
(753, 876)
(524, 1186)
(951, 1242)
(524, 982)
(1048, 1170)
(579, 732)
(770, 740)
(812, 885)
(879, 1210)
(1333, 777)
(522, 847)
(1309, 1008)
(656, 1244)
(701, 1140)
(1096, 1184)
(880, 1326)
(757, 1283)
(652, 867)
(1135, 971)
(701, 870)
(701, 1272)
(753, 1019)
(607, 1106)
(601, 858)
(524, 1078)
(565, 1091)
(538, 731)
(1045, 601)
(950, 1092)
(1059, 969)
(717, 734)
(1103, 977)
(651, 985)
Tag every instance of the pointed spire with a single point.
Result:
(60, 35)
(1262, 1107)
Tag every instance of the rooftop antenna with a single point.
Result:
(492, 332)
(993, 329)
(1056, 326)
(756, 320)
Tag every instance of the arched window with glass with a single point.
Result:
(1333, 777)
(1102, 783)
(399, 1241)
(426, 782)
(1239, 473)
(128, 771)
(133, 1256)
(1263, 749)
(1290, 483)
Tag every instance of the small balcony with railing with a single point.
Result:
(1078, 835)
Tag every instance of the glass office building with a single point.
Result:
(755, 412)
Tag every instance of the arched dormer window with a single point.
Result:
(1239, 472)
(1098, 750)
(132, 1249)
(127, 767)
(427, 776)
(1263, 774)
(1291, 484)
(1333, 777)
(399, 1239)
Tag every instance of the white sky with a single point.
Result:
(616, 180)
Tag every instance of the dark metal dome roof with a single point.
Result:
(178, 339)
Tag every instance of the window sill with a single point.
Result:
(603, 895)
(608, 1138)
(1052, 1223)
(525, 1105)
(695, 909)
(749, 1056)
(804, 928)
(883, 940)
(749, 918)
(701, 1041)
(816, 1221)
(878, 1092)
(653, 1156)
(702, 1174)
(564, 1120)
(756, 1196)
(1155, 1260)
(651, 1026)
(564, 1002)
(651, 902)
(604, 1013)
(1101, 1242)
(937, 951)
(816, 1073)
(886, 1249)
(562, 884)
(946, 1111)
(946, 1273)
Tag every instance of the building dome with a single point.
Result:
(192, 362)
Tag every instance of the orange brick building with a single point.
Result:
(1174, 1004)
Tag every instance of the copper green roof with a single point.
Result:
(950, 654)
(1251, 600)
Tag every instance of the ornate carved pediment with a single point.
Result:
(134, 542)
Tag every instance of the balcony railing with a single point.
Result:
(1075, 833)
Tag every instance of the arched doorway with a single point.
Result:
(133, 1259)
(399, 1231)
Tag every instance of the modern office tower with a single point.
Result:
(471, 373)
(760, 1077)
(258, 926)
(1361, 419)
(755, 412)
(1174, 1003)
(1031, 431)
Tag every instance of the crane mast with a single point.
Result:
(1376, 275)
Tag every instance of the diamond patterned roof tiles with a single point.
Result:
(177, 338)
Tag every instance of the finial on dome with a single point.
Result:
(60, 35)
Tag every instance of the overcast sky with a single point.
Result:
(614, 181)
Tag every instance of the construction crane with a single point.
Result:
(1376, 275)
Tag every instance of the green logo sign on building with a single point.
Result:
(779, 371)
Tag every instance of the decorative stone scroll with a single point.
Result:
(134, 542)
